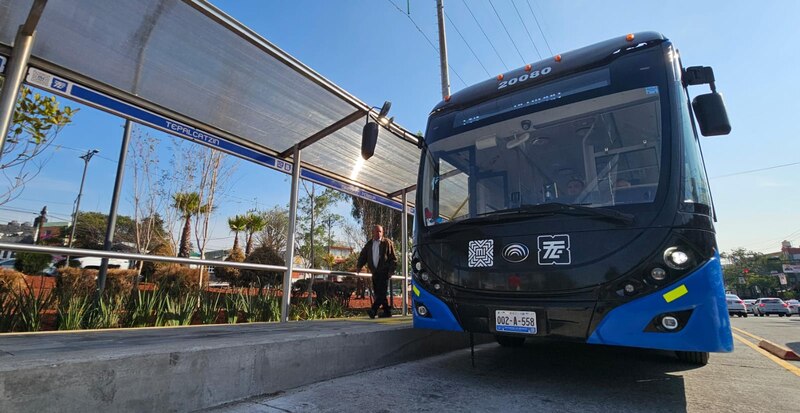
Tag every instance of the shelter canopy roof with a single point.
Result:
(190, 61)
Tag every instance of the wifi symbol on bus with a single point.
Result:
(515, 252)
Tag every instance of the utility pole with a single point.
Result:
(443, 50)
(86, 158)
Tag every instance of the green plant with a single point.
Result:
(72, 312)
(31, 263)
(30, 305)
(209, 307)
(8, 312)
(107, 314)
(179, 311)
(174, 279)
(143, 306)
(232, 302)
(262, 278)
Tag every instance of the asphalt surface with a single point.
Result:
(565, 377)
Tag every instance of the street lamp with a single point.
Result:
(369, 135)
(86, 158)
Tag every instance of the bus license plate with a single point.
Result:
(523, 322)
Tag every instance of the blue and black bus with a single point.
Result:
(568, 199)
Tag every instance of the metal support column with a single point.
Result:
(443, 50)
(287, 278)
(17, 66)
(404, 230)
(112, 213)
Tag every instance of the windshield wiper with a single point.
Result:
(540, 210)
(553, 208)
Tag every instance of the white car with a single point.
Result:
(794, 306)
(735, 305)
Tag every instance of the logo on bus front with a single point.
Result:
(554, 249)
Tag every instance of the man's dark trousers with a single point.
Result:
(380, 283)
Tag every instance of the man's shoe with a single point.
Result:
(385, 315)
(371, 313)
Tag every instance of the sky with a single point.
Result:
(377, 51)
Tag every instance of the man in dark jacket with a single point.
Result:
(378, 255)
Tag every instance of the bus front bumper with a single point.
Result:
(696, 301)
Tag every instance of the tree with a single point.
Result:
(276, 229)
(149, 229)
(262, 278)
(255, 222)
(754, 267)
(90, 231)
(237, 224)
(370, 214)
(314, 209)
(36, 124)
(187, 204)
(215, 170)
(230, 274)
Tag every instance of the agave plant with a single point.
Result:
(208, 310)
(107, 314)
(8, 312)
(143, 307)
(30, 305)
(72, 311)
(180, 310)
(232, 303)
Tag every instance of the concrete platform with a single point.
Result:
(188, 368)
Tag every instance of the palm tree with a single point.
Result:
(255, 223)
(187, 204)
(237, 224)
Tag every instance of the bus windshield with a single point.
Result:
(597, 152)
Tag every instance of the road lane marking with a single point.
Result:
(749, 334)
(788, 366)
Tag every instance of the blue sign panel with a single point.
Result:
(71, 90)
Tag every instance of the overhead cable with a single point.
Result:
(526, 30)
(467, 43)
(540, 28)
(485, 35)
(426, 38)
(507, 32)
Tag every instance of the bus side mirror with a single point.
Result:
(709, 109)
(369, 138)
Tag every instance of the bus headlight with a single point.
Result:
(424, 276)
(677, 258)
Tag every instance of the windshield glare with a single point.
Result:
(602, 151)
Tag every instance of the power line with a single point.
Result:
(757, 170)
(526, 30)
(506, 29)
(540, 28)
(467, 43)
(485, 35)
(83, 151)
(427, 38)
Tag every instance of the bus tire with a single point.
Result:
(693, 357)
(510, 341)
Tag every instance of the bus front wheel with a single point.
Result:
(694, 357)
(510, 341)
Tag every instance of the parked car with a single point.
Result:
(767, 306)
(93, 263)
(794, 306)
(749, 305)
(9, 265)
(735, 305)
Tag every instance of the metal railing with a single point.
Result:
(80, 252)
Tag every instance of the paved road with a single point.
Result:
(558, 377)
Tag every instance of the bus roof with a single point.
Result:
(560, 65)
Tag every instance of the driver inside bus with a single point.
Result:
(574, 189)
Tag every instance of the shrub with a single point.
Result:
(11, 281)
(30, 307)
(119, 284)
(327, 290)
(230, 274)
(31, 263)
(74, 282)
(176, 280)
(149, 268)
(262, 255)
